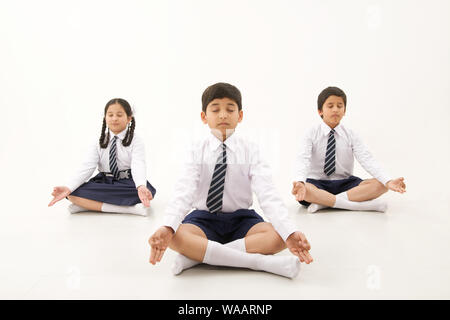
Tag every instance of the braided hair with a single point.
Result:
(104, 139)
(104, 136)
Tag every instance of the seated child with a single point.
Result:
(121, 184)
(324, 164)
(222, 172)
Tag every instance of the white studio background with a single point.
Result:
(61, 61)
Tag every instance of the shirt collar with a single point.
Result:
(326, 129)
(215, 143)
(121, 135)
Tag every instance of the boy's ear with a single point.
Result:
(320, 113)
(241, 115)
(203, 116)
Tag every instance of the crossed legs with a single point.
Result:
(82, 204)
(367, 190)
(254, 251)
(89, 205)
(362, 194)
(191, 241)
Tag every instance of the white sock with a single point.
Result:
(73, 208)
(182, 262)
(343, 195)
(370, 205)
(313, 207)
(220, 255)
(136, 209)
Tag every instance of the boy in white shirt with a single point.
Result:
(218, 180)
(324, 164)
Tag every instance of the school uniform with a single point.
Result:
(310, 164)
(246, 172)
(119, 188)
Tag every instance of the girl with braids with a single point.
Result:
(121, 185)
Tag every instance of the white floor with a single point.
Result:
(47, 253)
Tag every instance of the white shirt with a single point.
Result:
(311, 155)
(131, 157)
(246, 172)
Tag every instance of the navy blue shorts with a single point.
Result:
(334, 186)
(224, 227)
(106, 189)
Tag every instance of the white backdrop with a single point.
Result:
(61, 61)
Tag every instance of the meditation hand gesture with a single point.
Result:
(159, 242)
(299, 190)
(396, 185)
(299, 246)
(145, 195)
(59, 193)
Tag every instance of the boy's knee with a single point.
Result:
(183, 233)
(273, 243)
(276, 243)
(380, 188)
(376, 186)
(177, 240)
(179, 235)
(279, 246)
(310, 191)
(309, 187)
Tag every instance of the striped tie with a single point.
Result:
(113, 158)
(330, 156)
(215, 193)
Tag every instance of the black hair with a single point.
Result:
(330, 91)
(104, 138)
(221, 90)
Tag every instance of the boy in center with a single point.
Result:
(223, 170)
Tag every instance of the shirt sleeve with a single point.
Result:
(138, 167)
(268, 198)
(87, 167)
(184, 192)
(303, 159)
(367, 161)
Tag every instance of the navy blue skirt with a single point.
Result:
(107, 189)
(224, 227)
(334, 186)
